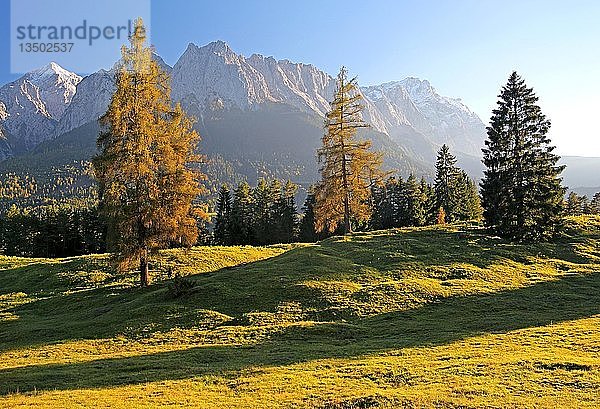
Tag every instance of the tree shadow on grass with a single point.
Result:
(260, 286)
(449, 320)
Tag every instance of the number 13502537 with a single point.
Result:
(45, 47)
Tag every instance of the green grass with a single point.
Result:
(425, 317)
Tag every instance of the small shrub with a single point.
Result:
(179, 287)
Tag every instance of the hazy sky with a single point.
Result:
(465, 48)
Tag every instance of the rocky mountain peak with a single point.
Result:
(214, 78)
(34, 103)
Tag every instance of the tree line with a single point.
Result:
(412, 202)
(265, 214)
(52, 231)
(577, 205)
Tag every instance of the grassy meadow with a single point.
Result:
(442, 317)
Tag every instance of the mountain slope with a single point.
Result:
(416, 104)
(259, 116)
(92, 98)
(33, 104)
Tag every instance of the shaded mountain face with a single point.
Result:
(259, 116)
(33, 105)
(410, 112)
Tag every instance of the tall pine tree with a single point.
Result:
(383, 207)
(284, 214)
(221, 233)
(349, 168)
(446, 183)
(241, 227)
(595, 204)
(262, 201)
(307, 230)
(146, 184)
(521, 190)
(415, 202)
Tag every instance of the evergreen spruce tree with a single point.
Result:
(145, 182)
(586, 206)
(241, 228)
(573, 205)
(382, 213)
(475, 211)
(576, 205)
(307, 231)
(468, 204)
(459, 192)
(397, 205)
(595, 204)
(222, 234)
(275, 213)
(285, 214)
(415, 202)
(429, 200)
(446, 184)
(349, 168)
(521, 189)
(262, 221)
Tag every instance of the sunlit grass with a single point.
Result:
(429, 317)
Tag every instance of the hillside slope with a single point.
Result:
(430, 317)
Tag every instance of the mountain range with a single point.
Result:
(257, 116)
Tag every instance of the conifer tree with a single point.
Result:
(399, 202)
(307, 231)
(475, 211)
(284, 211)
(586, 205)
(595, 204)
(468, 204)
(349, 169)
(429, 200)
(383, 211)
(573, 204)
(415, 202)
(521, 189)
(143, 168)
(446, 183)
(262, 219)
(222, 234)
(241, 228)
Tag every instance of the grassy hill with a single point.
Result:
(428, 317)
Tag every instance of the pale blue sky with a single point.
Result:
(465, 48)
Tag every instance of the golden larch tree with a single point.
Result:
(349, 168)
(145, 167)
